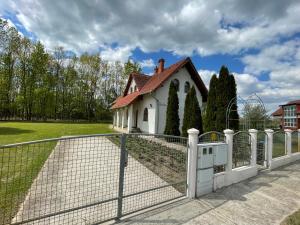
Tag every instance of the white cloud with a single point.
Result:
(183, 27)
(116, 54)
(271, 92)
(206, 76)
(147, 63)
(282, 63)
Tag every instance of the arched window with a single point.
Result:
(145, 117)
(186, 87)
(134, 88)
(131, 90)
(176, 83)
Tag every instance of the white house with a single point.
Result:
(144, 102)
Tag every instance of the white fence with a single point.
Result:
(284, 146)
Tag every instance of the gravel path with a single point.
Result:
(85, 171)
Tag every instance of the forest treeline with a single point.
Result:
(39, 84)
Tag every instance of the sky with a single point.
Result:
(258, 40)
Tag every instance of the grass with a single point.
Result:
(15, 132)
(293, 219)
(20, 165)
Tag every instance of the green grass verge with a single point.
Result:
(293, 219)
(15, 132)
(20, 165)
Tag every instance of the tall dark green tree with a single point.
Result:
(222, 98)
(186, 115)
(192, 113)
(233, 116)
(211, 107)
(172, 117)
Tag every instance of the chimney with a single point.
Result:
(155, 69)
(161, 64)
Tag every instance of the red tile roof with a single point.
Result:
(147, 84)
(126, 100)
(140, 80)
(294, 102)
(157, 79)
(278, 112)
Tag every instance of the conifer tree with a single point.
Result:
(192, 116)
(172, 117)
(222, 98)
(186, 115)
(233, 116)
(211, 108)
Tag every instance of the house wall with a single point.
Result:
(132, 85)
(162, 95)
(147, 102)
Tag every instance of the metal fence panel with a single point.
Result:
(261, 148)
(64, 181)
(279, 144)
(212, 136)
(156, 170)
(241, 153)
(295, 142)
(89, 179)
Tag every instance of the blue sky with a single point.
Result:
(259, 40)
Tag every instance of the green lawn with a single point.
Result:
(15, 132)
(20, 165)
(293, 219)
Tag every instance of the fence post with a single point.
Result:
(253, 134)
(298, 140)
(288, 141)
(269, 133)
(228, 168)
(121, 175)
(192, 163)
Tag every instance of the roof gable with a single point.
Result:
(147, 84)
(158, 79)
(140, 81)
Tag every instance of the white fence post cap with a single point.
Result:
(269, 131)
(288, 130)
(253, 131)
(193, 131)
(228, 131)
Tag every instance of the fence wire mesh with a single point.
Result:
(89, 179)
(155, 172)
(295, 142)
(241, 152)
(279, 144)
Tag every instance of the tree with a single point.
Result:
(186, 115)
(233, 116)
(172, 117)
(222, 98)
(211, 107)
(255, 116)
(192, 113)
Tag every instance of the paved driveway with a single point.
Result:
(265, 199)
(85, 171)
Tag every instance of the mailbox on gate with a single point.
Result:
(209, 155)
